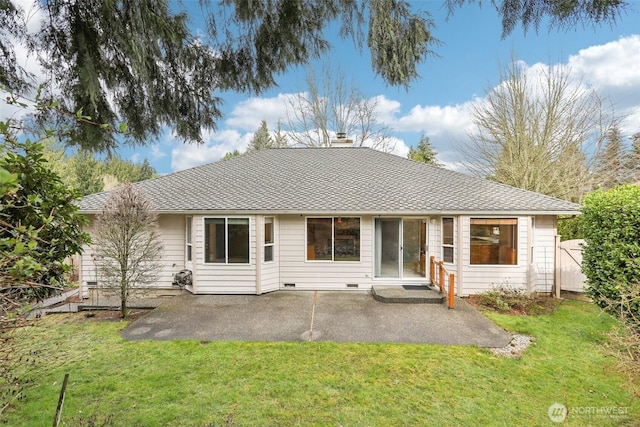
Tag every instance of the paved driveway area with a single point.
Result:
(314, 316)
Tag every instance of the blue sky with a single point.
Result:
(437, 104)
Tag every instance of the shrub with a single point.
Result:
(570, 227)
(611, 257)
(624, 340)
(507, 299)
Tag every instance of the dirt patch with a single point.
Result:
(529, 306)
(110, 315)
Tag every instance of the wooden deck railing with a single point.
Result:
(445, 280)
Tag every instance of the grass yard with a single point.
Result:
(190, 383)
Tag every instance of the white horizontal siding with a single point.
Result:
(172, 259)
(223, 278)
(543, 259)
(320, 275)
(270, 277)
(480, 278)
(87, 271)
(172, 232)
(435, 243)
(270, 271)
(535, 259)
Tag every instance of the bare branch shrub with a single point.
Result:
(127, 244)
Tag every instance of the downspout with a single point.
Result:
(557, 267)
(459, 249)
(197, 245)
(530, 258)
(259, 226)
(79, 267)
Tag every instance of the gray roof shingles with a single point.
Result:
(333, 180)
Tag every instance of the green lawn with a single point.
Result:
(191, 383)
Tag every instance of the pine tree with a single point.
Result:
(231, 155)
(87, 173)
(424, 152)
(280, 139)
(261, 139)
(611, 168)
(632, 160)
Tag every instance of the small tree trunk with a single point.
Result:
(123, 308)
(123, 299)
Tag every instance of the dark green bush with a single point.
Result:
(570, 227)
(611, 257)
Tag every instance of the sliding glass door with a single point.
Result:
(400, 246)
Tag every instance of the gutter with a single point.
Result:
(354, 213)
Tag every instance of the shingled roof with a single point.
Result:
(333, 180)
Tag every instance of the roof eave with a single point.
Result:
(356, 213)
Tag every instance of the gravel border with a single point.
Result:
(514, 349)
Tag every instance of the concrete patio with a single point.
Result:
(315, 316)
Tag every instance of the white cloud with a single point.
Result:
(248, 114)
(400, 148)
(612, 68)
(216, 145)
(435, 120)
(156, 152)
(613, 64)
(386, 109)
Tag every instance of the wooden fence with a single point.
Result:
(569, 267)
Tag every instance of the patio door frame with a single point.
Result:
(395, 250)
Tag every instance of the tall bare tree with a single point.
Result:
(330, 105)
(128, 245)
(542, 133)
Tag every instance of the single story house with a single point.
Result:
(342, 218)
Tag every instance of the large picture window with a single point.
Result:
(447, 240)
(333, 239)
(494, 241)
(226, 240)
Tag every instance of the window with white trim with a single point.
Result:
(494, 241)
(188, 241)
(226, 240)
(333, 239)
(268, 239)
(447, 240)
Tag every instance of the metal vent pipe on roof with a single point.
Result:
(341, 140)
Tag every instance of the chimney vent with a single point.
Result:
(341, 140)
